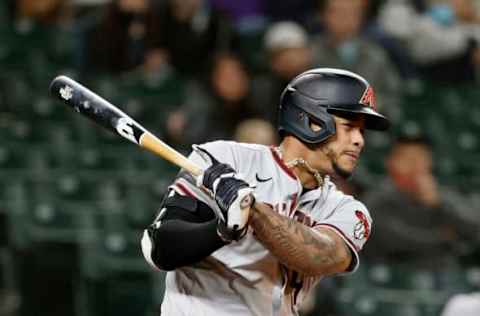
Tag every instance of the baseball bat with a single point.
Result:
(91, 105)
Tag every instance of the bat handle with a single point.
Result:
(151, 142)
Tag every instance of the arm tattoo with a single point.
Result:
(296, 245)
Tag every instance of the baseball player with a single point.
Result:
(262, 225)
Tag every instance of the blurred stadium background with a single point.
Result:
(74, 199)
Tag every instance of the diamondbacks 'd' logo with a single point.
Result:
(362, 227)
(368, 98)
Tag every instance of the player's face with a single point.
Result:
(343, 149)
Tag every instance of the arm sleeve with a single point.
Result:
(184, 233)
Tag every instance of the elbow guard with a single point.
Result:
(147, 249)
(177, 205)
(170, 242)
(150, 252)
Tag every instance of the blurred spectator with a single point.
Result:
(349, 186)
(213, 107)
(442, 37)
(118, 40)
(288, 53)
(38, 40)
(373, 31)
(7, 11)
(41, 11)
(284, 40)
(246, 15)
(416, 221)
(463, 304)
(190, 32)
(293, 10)
(342, 45)
(256, 131)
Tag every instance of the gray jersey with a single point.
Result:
(243, 278)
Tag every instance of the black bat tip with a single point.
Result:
(64, 88)
(57, 83)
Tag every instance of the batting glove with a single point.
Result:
(233, 196)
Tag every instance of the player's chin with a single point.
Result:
(344, 169)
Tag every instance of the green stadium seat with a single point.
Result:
(61, 47)
(53, 231)
(104, 137)
(32, 158)
(50, 49)
(473, 119)
(115, 279)
(4, 14)
(43, 132)
(38, 216)
(62, 187)
(467, 141)
(471, 276)
(76, 187)
(109, 192)
(84, 130)
(126, 295)
(16, 205)
(401, 276)
(92, 158)
(400, 289)
(398, 308)
(151, 98)
(56, 222)
(160, 186)
(106, 86)
(25, 158)
(40, 160)
(136, 108)
(15, 129)
(355, 302)
(140, 207)
(125, 158)
(45, 107)
(377, 301)
(12, 157)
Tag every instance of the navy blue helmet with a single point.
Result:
(316, 95)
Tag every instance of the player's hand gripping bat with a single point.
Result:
(89, 104)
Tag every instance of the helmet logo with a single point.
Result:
(368, 98)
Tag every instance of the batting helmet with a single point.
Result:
(315, 95)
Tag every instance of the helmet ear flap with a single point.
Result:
(305, 126)
(315, 125)
(322, 125)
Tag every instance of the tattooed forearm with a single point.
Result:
(296, 245)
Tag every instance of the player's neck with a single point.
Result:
(291, 149)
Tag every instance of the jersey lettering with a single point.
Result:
(304, 218)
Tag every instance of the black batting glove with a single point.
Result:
(233, 196)
(215, 172)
